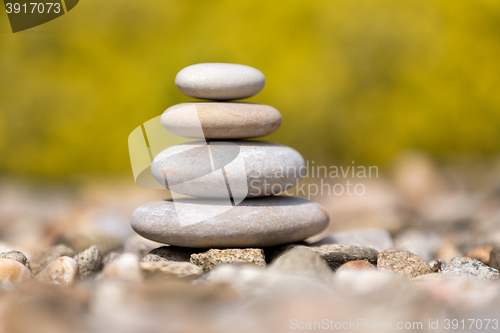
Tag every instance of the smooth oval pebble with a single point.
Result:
(221, 120)
(12, 273)
(252, 169)
(220, 81)
(253, 223)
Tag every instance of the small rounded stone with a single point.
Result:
(403, 262)
(17, 256)
(89, 261)
(481, 253)
(220, 81)
(251, 168)
(49, 255)
(221, 120)
(13, 273)
(62, 271)
(357, 265)
(253, 223)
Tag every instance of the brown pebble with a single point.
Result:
(357, 265)
(448, 251)
(495, 258)
(49, 255)
(12, 273)
(214, 257)
(481, 253)
(403, 262)
(438, 266)
(62, 271)
(177, 269)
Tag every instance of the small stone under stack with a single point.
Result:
(232, 182)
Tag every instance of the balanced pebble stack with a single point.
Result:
(232, 183)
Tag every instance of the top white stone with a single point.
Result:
(220, 81)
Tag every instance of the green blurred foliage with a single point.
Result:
(354, 80)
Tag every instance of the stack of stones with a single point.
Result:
(232, 183)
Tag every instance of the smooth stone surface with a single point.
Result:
(467, 267)
(357, 265)
(221, 120)
(336, 255)
(403, 262)
(12, 273)
(253, 223)
(17, 256)
(61, 272)
(220, 81)
(124, 268)
(302, 261)
(215, 257)
(252, 168)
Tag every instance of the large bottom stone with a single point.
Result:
(258, 222)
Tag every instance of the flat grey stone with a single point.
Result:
(220, 81)
(251, 169)
(375, 238)
(221, 120)
(253, 223)
(466, 267)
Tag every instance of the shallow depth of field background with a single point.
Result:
(354, 80)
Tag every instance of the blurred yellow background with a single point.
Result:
(354, 80)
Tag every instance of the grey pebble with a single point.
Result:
(302, 261)
(89, 262)
(463, 266)
(253, 223)
(220, 81)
